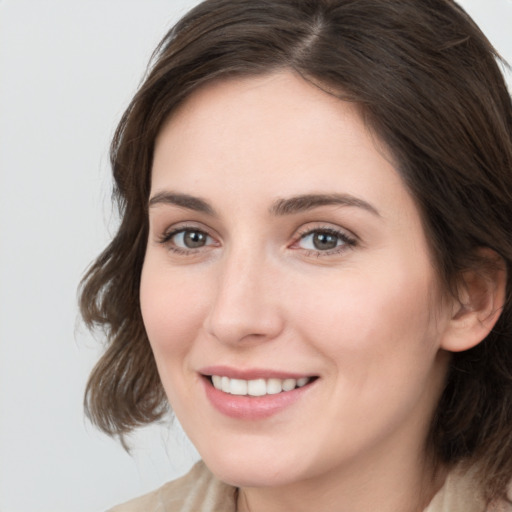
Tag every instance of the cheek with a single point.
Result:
(379, 334)
(384, 317)
(172, 310)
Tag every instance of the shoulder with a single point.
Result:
(461, 493)
(504, 505)
(197, 491)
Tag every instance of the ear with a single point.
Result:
(476, 310)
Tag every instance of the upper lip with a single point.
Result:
(251, 373)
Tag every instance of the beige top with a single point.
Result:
(200, 491)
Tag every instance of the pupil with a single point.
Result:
(194, 239)
(324, 241)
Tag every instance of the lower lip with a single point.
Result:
(252, 407)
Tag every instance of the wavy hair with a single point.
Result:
(428, 83)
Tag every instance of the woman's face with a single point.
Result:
(287, 259)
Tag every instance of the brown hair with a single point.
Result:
(428, 84)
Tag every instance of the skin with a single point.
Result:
(368, 318)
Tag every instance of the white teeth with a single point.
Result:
(274, 386)
(237, 386)
(289, 384)
(302, 381)
(257, 387)
(217, 381)
(225, 384)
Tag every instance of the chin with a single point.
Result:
(242, 470)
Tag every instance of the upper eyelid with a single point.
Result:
(300, 232)
(176, 227)
(328, 227)
(164, 236)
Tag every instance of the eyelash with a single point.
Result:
(347, 241)
(166, 239)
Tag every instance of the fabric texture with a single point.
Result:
(197, 491)
(200, 491)
(460, 493)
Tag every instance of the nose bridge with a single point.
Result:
(244, 305)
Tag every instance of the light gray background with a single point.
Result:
(67, 70)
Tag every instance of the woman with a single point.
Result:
(313, 261)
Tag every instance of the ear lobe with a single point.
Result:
(481, 299)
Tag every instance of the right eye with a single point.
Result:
(183, 240)
(190, 239)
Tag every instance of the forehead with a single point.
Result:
(272, 135)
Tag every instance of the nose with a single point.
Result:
(245, 308)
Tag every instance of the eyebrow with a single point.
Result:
(307, 202)
(289, 206)
(183, 200)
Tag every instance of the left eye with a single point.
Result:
(322, 240)
(190, 239)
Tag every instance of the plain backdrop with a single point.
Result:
(67, 70)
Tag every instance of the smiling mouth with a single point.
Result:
(257, 387)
